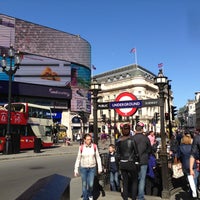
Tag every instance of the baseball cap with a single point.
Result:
(140, 124)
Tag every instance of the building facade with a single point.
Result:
(55, 69)
(191, 114)
(138, 81)
(197, 110)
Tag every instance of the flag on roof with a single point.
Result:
(133, 50)
(160, 65)
(93, 67)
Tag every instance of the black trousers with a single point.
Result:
(130, 184)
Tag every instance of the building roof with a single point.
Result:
(128, 71)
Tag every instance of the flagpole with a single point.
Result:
(160, 66)
(136, 57)
(134, 51)
(91, 72)
(92, 69)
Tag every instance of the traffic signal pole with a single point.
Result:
(169, 110)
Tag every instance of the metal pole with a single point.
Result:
(109, 128)
(12, 56)
(115, 127)
(169, 109)
(83, 121)
(95, 122)
(163, 153)
(8, 147)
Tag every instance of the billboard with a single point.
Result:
(43, 71)
(80, 84)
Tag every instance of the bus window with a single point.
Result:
(40, 114)
(47, 114)
(34, 114)
(48, 131)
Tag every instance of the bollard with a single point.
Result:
(15, 143)
(37, 145)
(104, 177)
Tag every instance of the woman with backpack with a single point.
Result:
(89, 161)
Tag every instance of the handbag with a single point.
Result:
(127, 165)
(177, 170)
(192, 185)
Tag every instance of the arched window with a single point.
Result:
(76, 120)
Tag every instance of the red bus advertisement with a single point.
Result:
(28, 120)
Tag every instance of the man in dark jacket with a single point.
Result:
(144, 150)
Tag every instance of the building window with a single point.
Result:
(139, 111)
(119, 118)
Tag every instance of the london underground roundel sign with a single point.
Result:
(126, 96)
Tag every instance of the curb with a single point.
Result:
(58, 150)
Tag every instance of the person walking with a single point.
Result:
(128, 156)
(194, 157)
(113, 168)
(104, 138)
(183, 154)
(89, 161)
(152, 137)
(174, 144)
(144, 150)
(153, 178)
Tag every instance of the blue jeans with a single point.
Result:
(141, 185)
(196, 175)
(87, 175)
(114, 181)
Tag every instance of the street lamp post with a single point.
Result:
(109, 126)
(95, 89)
(169, 108)
(10, 65)
(161, 81)
(83, 119)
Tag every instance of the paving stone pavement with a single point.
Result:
(75, 185)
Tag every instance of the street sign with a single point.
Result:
(150, 102)
(128, 104)
(103, 105)
(124, 102)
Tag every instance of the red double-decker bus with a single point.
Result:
(28, 120)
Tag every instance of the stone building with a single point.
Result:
(136, 80)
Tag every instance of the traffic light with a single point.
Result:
(166, 116)
(157, 117)
(103, 118)
(174, 112)
(137, 118)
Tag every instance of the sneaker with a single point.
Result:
(90, 198)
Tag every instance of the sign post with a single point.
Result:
(126, 104)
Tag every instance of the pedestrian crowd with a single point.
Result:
(132, 163)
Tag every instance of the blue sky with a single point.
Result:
(162, 31)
